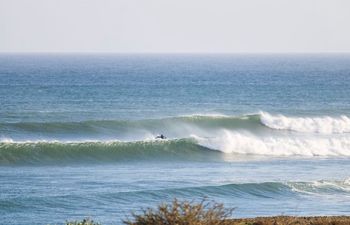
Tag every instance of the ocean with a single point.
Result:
(265, 134)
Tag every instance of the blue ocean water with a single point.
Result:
(266, 134)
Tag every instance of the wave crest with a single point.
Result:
(324, 125)
(247, 143)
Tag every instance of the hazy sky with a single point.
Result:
(175, 25)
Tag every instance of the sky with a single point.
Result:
(179, 26)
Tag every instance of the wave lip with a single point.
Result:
(323, 125)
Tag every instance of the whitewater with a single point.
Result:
(264, 134)
(258, 134)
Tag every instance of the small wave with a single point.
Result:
(256, 190)
(324, 125)
(272, 189)
(321, 187)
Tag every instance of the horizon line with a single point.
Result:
(171, 53)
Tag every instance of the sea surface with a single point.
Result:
(264, 134)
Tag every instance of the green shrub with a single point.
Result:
(183, 213)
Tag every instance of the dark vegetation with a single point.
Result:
(211, 213)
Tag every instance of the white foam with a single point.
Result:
(347, 181)
(6, 140)
(247, 143)
(324, 125)
(317, 187)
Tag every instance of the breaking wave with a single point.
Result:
(192, 137)
(231, 147)
(245, 143)
(324, 125)
(183, 124)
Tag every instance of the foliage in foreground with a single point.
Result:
(183, 213)
(83, 222)
(293, 220)
(211, 213)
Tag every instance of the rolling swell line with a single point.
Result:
(260, 190)
(267, 190)
(249, 191)
(321, 124)
(124, 125)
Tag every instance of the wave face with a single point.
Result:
(92, 152)
(194, 137)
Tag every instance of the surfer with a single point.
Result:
(161, 136)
